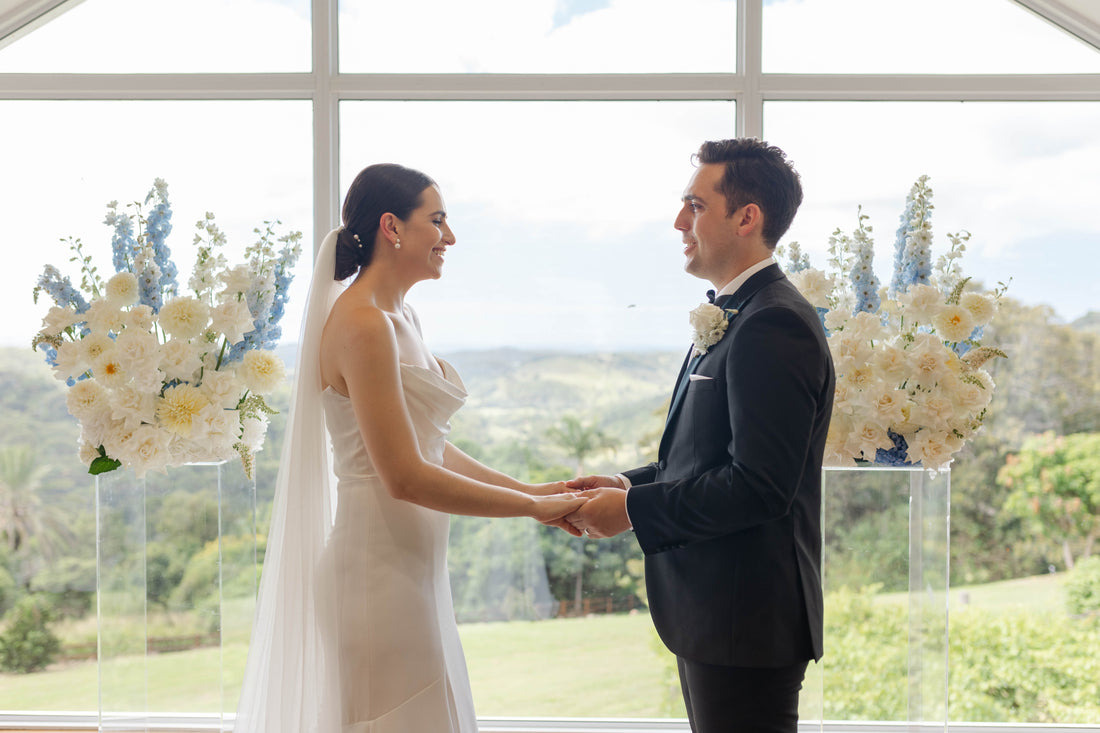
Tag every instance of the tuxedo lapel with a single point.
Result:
(730, 302)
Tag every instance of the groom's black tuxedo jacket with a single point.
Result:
(729, 517)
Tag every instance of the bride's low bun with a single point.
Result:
(383, 188)
(351, 254)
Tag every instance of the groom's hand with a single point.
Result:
(594, 482)
(604, 514)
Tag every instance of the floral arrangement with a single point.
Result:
(910, 388)
(158, 377)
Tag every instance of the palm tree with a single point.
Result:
(23, 515)
(580, 441)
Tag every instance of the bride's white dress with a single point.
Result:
(400, 660)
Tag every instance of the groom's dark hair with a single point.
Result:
(378, 189)
(756, 173)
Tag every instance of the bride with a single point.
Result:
(355, 628)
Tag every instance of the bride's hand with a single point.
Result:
(552, 509)
(547, 489)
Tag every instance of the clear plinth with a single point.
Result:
(886, 538)
(176, 560)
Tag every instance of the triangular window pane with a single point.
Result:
(926, 37)
(140, 36)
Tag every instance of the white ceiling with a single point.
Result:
(1080, 18)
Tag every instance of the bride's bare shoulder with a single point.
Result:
(353, 319)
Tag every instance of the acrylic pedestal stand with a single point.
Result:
(176, 563)
(887, 533)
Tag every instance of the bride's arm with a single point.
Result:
(363, 350)
(459, 462)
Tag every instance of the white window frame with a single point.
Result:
(748, 86)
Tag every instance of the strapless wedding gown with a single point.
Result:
(400, 658)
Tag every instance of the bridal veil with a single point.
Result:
(290, 682)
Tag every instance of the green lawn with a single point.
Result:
(599, 666)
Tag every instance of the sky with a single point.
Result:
(563, 210)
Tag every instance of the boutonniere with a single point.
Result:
(708, 326)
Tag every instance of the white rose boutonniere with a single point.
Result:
(708, 326)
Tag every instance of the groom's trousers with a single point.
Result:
(723, 699)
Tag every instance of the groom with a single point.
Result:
(729, 517)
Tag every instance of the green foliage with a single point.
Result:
(27, 643)
(9, 590)
(199, 583)
(1024, 666)
(1054, 484)
(1083, 587)
(69, 585)
(866, 662)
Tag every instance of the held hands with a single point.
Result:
(551, 509)
(604, 514)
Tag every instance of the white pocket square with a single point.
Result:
(699, 378)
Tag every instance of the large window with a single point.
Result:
(561, 136)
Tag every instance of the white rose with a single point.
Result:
(815, 286)
(217, 429)
(931, 449)
(261, 371)
(891, 363)
(233, 319)
(865, 327)
(146, 449)
(933, 410)
(70, 360)
(887, 405)
(868, 437)
(981, 307)
(849, 351)
(86, 398)
(920, 304)
(254, 431)
(222, 388)
(238, 279)
(140, 317)
(96, 345)
(87, 453)
(122, 289)
(133, 407)
(139, 353)
(708, 325)
(57, 319)
(103, 316)
(184, 317)
(929, 359)
(179, 360)
(861, 378)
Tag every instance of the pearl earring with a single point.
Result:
(397, 244)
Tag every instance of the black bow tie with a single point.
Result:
(710, 296)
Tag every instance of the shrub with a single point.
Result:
(27, 644)
(9, 590)
(1083, 587)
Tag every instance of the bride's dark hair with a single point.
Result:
(378, 189)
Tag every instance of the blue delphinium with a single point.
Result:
(61, 289)
(912, 246)
(268, 297)
(123, 245)
(865, 283)
(158, 225)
